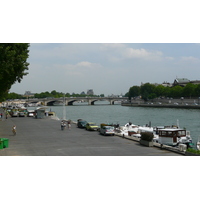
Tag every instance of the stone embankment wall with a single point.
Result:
(168, 102)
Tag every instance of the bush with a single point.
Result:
(193, 151)
(147, 136)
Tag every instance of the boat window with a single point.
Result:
(163, 133)
(167, 133)
(182, 133)
(170, 134)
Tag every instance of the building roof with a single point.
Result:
(182, 80)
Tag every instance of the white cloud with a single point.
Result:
(112, 45)
(118, 52)
(143, 54)
(81, 69)
(190, 59)
(88, 65)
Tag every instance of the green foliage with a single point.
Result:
(193, 151)
(13, 65)
(14, 96)
(52, 94)
(147, 136)
(127, 95)
(150, 91)
(160, 90)
(189, 90)
(147, 90)
(133, 92)
(176, 91)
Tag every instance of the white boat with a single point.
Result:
(198, 144)
(174, 136)
(132, 130)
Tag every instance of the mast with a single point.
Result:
(178, 123)
(64, 109)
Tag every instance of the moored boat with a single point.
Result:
(132, 130)
(198, 144)
(173, 136)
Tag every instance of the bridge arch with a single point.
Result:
(70, 102)
(51, 103)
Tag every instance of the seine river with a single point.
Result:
(102, 112)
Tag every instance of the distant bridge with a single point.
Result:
(71, 100)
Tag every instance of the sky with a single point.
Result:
(106, 45)
(107, 68)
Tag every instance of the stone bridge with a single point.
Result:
(71, 100)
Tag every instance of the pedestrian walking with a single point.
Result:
(63, 125)
(69, 124)
(14, 130)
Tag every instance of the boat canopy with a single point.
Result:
(172, 132)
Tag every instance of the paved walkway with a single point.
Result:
(43, 137)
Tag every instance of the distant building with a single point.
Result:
(181, 81)
(82, 93)
(90, 92)
(178, 81)
(28, 94)
(165, 84)
(184, 81)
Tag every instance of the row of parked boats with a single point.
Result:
(167, 135)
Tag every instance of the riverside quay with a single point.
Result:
(44, 137)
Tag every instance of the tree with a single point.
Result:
(147, 91)
(13, 65)
(14, 96)
(134, 91)
(53, 92)
(197, 90)
(176, 91)
(189, 90)
(160, 90)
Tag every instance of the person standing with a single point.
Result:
(69, 124)
(14, 130)
(63, 125)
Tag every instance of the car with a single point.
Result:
(14, 114)
(30, 114)
(21, 114)
(91, 126)
(107, 130)
(81, 123)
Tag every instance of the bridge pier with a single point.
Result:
(112, 102)
(90, 102)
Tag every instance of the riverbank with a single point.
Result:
(43, 137)
(154, 105)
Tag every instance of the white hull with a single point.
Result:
(198, 145)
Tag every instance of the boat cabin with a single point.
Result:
(171, 136)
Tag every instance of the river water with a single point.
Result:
(102, 112)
